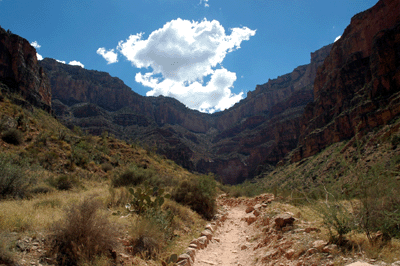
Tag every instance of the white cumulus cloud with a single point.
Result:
(36, 45)
(205, 3)
(39, 57)
(60, 61)
(109, 56)
(181, 54)
(76, 63)
(338, 37)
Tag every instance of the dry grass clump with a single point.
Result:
(82, 235)
(147, 238)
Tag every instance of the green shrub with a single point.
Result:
(82, 235)
(106, 167)
(13, 136)
(337, 219)
(132, 176)
(199, 194)
(62, 182)
(14, 181)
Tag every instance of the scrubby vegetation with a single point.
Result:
(89, 197)
(352, 186)
(82, 234)
(56, 181)
(199, 194)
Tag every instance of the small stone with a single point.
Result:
(210, 227)
(243, 247)
(332, 248)
(312, 251)
(185, 257)
(257, 206)
(124, 256)
(283, 220)
(217, 239)
(249, 209)
(191, 252)
(250, 219)
(207, 233)
(203, 241)
(256, 213)
(319, 244)
(289, 253)
(311, 229)
(195, 241)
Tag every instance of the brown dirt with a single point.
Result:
(231, 244)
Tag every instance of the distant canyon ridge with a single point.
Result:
(234, 144)
(349, 86)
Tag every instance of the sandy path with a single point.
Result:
(233, 235)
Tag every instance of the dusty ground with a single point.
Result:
(231, 244)
(253, 239)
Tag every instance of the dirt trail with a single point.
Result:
(230, 245)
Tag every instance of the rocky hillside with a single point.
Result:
(21, 73)
(231, 144)
(357, 88)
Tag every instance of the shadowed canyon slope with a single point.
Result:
(349, 86)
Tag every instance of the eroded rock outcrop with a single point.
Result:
(357, 88)
(20, 71)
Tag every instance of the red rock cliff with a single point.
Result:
(20, 71)
(357, 88)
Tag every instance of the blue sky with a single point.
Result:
(207, 54)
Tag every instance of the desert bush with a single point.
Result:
(106, 167)
(151, 232)
(6, 257)
(82, 235)
(13, 136)
(132, 176)
(378, 204)
(199, 194)
(336, 218)
(14, 179)
(63, 182)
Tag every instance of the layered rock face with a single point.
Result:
(97, 102)
(262, 128)
(20, 71)
(357, 88)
